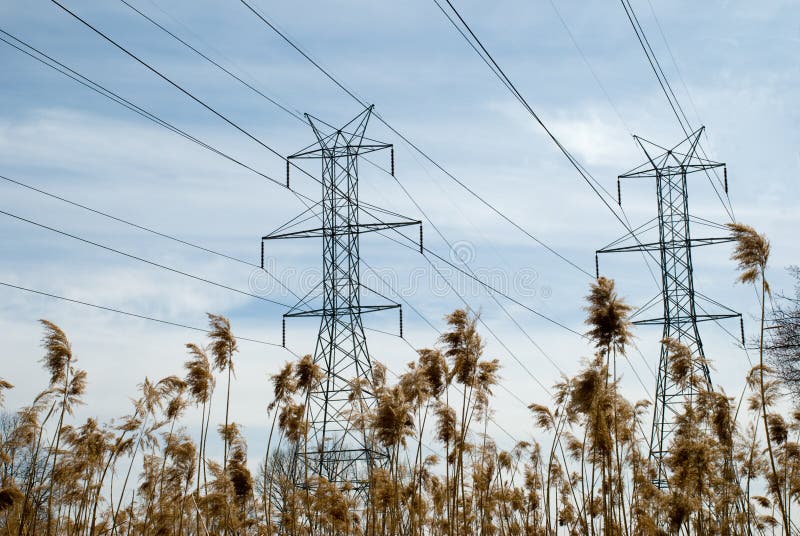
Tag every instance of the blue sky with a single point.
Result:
(738, 61)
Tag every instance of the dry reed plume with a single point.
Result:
(588, 473)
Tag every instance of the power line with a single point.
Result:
(512, 88)
(656, 67)
(502, 386)
(141, 259)
(491, 291)
(185, 326)
(589, 66)
(219, 66)
(439, 332)
(98, 88)
(229, 257)
(674, 63)
(360, 101)
(111, 95)
(134, 315)
(666, 88)
(505, 311)
(67, 71)
(142, 317)
(470, 308)
(200, 247)
(180, 88)
(149, 230)
(500, 74)
(194, 245)
(217, 51)
(471, 275)
(489, 60)
(411, 144)
(158, 233)
(490, 418)
(686, 89)
(171, 323)
(216, 64)
(469, 272)
(288, 111)
(491, 331)
(627, 359)
(490, 288)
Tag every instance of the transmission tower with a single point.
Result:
(338, 447)
(679, 298)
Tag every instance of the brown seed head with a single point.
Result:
(58, 352)
(3, 386)
(751, 252)
(223, 343)
(608, 317)
(307, 373)
(199, 377)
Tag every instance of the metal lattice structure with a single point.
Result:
(337, 448)
(680, 299)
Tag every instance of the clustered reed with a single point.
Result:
(730, 469)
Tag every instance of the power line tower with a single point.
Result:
(337, 446)
(679, 298)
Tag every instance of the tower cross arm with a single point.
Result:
(339, 150)
(656, 246)
(697, 164)
(677, 320)
(341, 311)
(361, 228)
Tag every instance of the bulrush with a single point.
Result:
(392, 423)
(68, 383)
(751, 252)
(610, 330)
(58, 352)
(284, 385)
(222, 346)
(241, 481)
(463, 346)
(4, 386)
(586, 473)
(693, 458)
(307, 374)
(200, 381)
(434, 366)
(291, 421)
(607, 317)
(392, 419)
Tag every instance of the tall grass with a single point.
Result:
(587, 471)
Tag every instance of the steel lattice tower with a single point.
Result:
(337, 448)
(680, 300)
